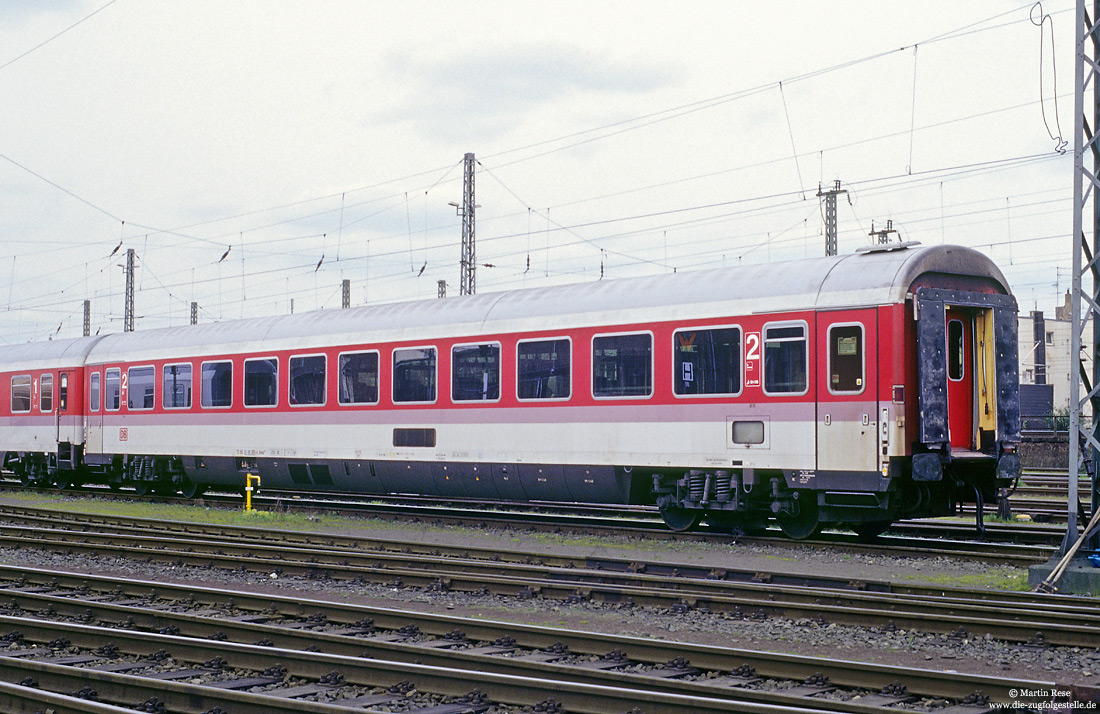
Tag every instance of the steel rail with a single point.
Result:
(17, 699)
(706, 657)
(361, 671)
(982, 551)
(286, 637)
(927, 613)
(368, 548)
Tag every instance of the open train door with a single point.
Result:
(967, 377)
(847, 380)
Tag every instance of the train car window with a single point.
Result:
(45, 402)
(217, 384)
(414, 374)
(707, 361)
(93, 392)
(112, 398)
(543, 369)
(846, 359)
(622, 365)
(956, 353)
(307, 380)
(475, 373)
(785, 366)
(142, 387)
(63, 393)
(177, 386)
(21, 393)
(358, 378)
(261, 382)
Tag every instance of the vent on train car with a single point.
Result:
(320, 474)
(414, 437)
(299, 474)
(307, 474)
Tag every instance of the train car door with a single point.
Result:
(94, 413)
(960, 377)
(847, 394)
(68, 426)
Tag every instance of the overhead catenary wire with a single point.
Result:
(866, 186)
(53, 37)
(558, 227)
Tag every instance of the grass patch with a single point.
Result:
(212, 515)
(1001, 579)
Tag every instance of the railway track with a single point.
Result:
(1005, 543)
(189, 647)
(1008, 616)
(1018, 545)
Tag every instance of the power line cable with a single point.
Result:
(54, 37)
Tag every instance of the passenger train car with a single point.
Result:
(844, 390)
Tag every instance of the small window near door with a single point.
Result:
(113, 389)
(956, 352)
(846, 359)
(63, 393)
(47, 393)
(93, 393)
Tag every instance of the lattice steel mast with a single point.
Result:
(1085, 305)
(128, 311)
(830, 215)
(467, 279)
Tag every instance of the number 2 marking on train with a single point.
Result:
(752, 342)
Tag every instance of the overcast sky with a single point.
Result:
(622, 138)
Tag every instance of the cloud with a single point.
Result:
(484, 94)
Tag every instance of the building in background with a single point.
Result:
(1044, 343)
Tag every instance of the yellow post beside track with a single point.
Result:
(248, 490)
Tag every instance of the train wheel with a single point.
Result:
(143, 488)
(804, 523)
(680, 519)
(190, 489)
(871, 529)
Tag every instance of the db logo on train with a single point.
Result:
(123, 433)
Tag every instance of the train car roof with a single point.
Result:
(47, 355)
(870, 277)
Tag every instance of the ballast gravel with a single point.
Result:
(936, 652)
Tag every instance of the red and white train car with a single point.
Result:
(853, 389)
